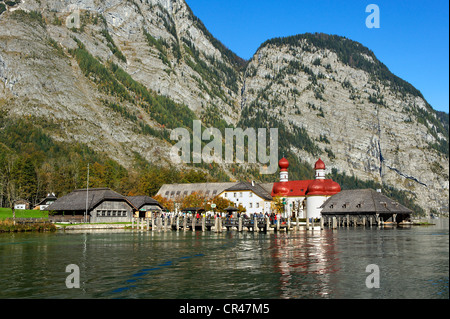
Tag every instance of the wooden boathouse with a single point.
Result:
(362, 207)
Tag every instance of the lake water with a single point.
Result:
(413, 262)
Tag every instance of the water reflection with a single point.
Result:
(306, 264)
(305, 261)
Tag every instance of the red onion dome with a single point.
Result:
(283, 163)
(280, 189)
(334, 187)
(317, 187)
(319, 164)
(323, 187)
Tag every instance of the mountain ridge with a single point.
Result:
(134, 69)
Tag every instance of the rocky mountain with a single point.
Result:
(118, 76)
(360, 117)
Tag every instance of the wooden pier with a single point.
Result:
(258, 224)
(217, 224)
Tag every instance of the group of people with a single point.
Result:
(272, 217)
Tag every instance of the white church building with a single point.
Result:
(303, 198)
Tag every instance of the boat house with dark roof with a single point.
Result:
(145, 204)
(102, 204)
(365, 203)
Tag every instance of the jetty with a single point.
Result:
(209, 223)
(257, 224)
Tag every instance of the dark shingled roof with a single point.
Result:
(48, 198)
(76, 200)
(176, 191)
(256, 188)
(139, 201)
(360, 201)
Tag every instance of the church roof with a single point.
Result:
(291, 188)
(319, 164)
(323, 187)
(283, 164)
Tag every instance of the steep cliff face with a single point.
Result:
(158, 44)
(363, 120)
(119, 75)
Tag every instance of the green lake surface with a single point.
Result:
(413, 262)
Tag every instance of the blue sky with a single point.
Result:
(412, 41)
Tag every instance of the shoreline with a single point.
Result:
(112, 226)
(92, 226)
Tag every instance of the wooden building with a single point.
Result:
(43, 204)
(102, 204)
(145, 205)
(21, 204)
(365, 204)
(176, 192)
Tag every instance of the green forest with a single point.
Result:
(32, 164)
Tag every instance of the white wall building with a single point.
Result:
(254, 197)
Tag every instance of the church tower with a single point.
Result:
(320, 169)
(319, 190)
(283, 164)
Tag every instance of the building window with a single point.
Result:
(240, 194)
(250, 205)
(225, 195)
(235, 195)
(250, 194)
(257, 205)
